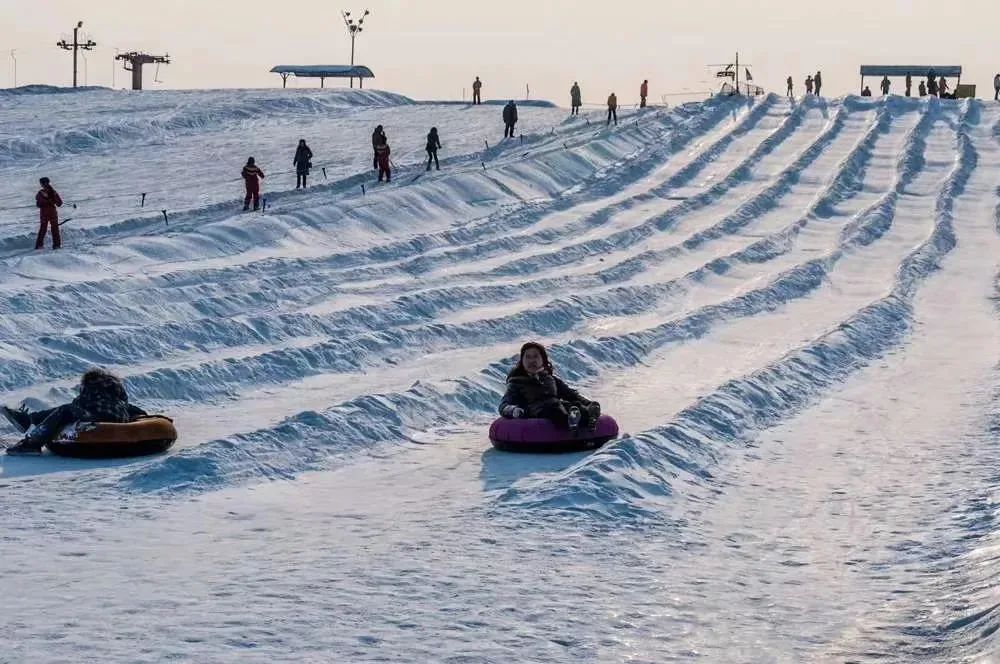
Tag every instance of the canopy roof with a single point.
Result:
(914, 70)
(324, 71)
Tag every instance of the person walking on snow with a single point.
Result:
(643, 93)
(382, 153)
(791, 92)
(509, 118)
(378, 136)
(48, 200)
(885, 85)
(818, 81)
(477, 87)
(433, 143)
(909, 83)
(252, 175)
(809, 85)
(302, 163)
(576, 98)
(996, 88)
(612, 108)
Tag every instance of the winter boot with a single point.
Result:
(573, 421)
(19, 418)
(26, 447)
(593, 415)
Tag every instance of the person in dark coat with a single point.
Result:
(909, 83)
(382, 153)
(509, 118)
(575, 99)
(643, 93)
(809, 85)
(867, 92)
(613, 108)
(477, 91)
(378, 136)
(885, 85)
(48, 201)
(433, 144)
(102, 398)
(791, 91)
(533, 390)
(943, 88)
(818, 82)
(922, 89)
(932, 88)
(252, 175)
(302, 163)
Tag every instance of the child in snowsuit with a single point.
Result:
(382, 153)
(433, 143)
(252, 175)
(302, 163)
(102, 398)
(533, 390)
(48, 200)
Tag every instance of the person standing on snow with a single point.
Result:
(48, 200)
(809, 85)
(996, 87)
(922, 89)
(909, 83)
(509, 118)
(302, 163)
(643, 93)
(576, 98)
(252, 175)
(818, 81)
(885, 85)
(382, 153)
(791, 92)
(477, 87)
(378, 136)
(942, 87)
(932, 88)
(612, 108)
(867, 92)
(433, 143)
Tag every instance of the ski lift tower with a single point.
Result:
(76, 46)
(134, 62)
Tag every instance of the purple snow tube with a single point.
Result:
(538, 435)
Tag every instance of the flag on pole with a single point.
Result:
(749, 77)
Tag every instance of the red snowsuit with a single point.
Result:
(382, 157)
(47, 200)
(252, 175)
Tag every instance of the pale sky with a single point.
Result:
(432, 49)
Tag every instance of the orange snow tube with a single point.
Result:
(106, 440)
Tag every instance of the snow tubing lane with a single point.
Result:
(106, 440)
(543, 437)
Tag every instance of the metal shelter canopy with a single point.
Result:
(323, 72)
(948, 71)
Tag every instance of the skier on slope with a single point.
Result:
(252, 175)
(48, 200)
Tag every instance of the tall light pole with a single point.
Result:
(76, 46)
(14, 59)
(354, 29)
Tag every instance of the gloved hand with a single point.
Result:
(513, 412)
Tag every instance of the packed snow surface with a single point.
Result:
(791, 307)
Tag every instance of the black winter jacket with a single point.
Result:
(105, 400)
(303, 160)
(510, 114)
(534, 393)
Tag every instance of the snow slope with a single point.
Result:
(790, 306)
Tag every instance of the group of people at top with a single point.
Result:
(814, 84)
(575, 100)
(533, 390)
(934, 86)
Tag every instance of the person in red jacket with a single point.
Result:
(48, 200)
(643, 93)
(382, 153)
(252, 175)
